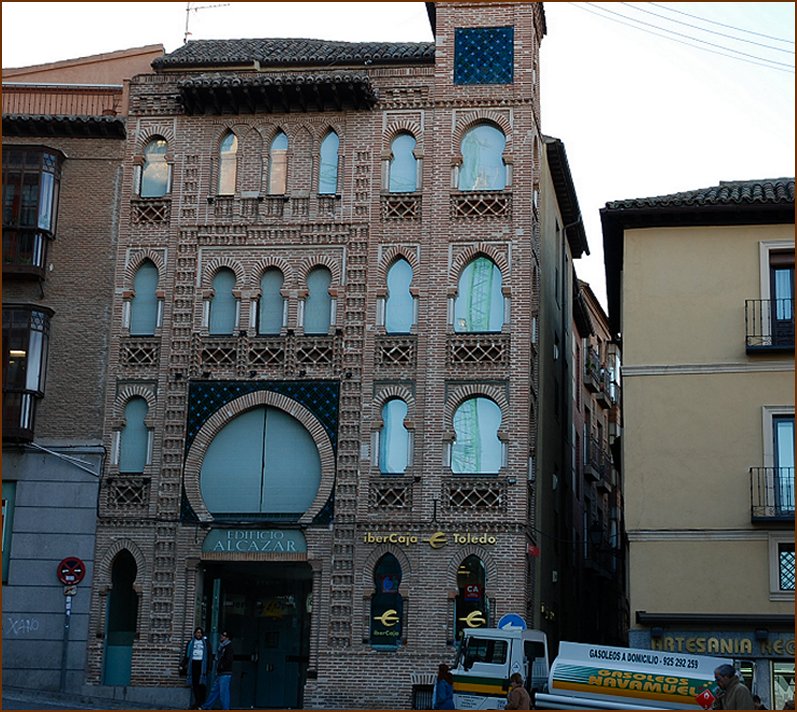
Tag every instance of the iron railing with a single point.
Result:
(769, 324)
(772, 494)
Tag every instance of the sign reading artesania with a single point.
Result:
(438, 540)
(250, 541)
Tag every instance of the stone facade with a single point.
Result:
(335, 384)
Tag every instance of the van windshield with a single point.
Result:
(484, 650)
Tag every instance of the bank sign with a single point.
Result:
(254, 541)
(438, 540)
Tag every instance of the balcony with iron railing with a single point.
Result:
(772, 494)
(769, 325)
(593, 379)
(597, 463)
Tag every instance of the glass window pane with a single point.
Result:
(144, 305)
(317, 309)
(46, 194)
(783, 288)
(783, 429)
(394, 438)
(223, 305)
(155, 171)
(477, 449)
(479, 306)
(134, 438)
(482, 159)
(292, 472)
(328, 170)
(271, 302)
(228, 164)
(278, 168)
(29, 216)
(399, 305)
(403, 165)
(231, 479)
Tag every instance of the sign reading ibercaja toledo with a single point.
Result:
(438, 540)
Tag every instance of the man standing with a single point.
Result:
(221, 685)
(734, 695)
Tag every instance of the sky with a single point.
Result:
(649, 98)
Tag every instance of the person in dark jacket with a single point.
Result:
(196, 662)
(443, 693)
(223, 669)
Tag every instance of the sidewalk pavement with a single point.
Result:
(15, 698)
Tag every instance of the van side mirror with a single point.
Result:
(467, 663)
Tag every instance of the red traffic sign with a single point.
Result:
(71, 570)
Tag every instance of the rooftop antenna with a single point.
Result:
(197, 8)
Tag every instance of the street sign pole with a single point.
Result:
(65, 643)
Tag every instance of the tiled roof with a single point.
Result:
(62, 125)
(768, 191)
(293, 52)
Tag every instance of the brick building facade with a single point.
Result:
(326, 283)
(63, 144)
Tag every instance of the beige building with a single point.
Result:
(700, 286)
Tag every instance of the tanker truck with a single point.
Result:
(583, 676)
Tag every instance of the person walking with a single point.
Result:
(220, 692)
(196, 660)
(443, 693)
(734, 694)
(518, 698)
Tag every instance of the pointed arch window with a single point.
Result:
(223, 305)
(145, 306)
(134, 438)
(471, 601)
(155, 171)
(399, 303)
(318, 305)
(477, 448)
(483, 165)
(328, 165)
(387, 604)
(403, 175)
(228, 164)
(394, 438)
(272, 304)
(264, 463)
(479, 305)
(278, 165)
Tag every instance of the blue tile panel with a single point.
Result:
(484, 55)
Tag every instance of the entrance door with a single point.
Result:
(265, 608)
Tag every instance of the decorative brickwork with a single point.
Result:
(334, 383)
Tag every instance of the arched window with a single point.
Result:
(121, 622)
(387, 604)
(318, 305)
(228, 164)
(144, 305)
(482, 159)
(476, 448)
(328, 168)
(479, 306)
(223, 305)
(394, 439)
(471, 601)
(155, 172)
(134, 438)
(263, 462)
(403, 165)
(399, 304)
(278, 165)
(271, 307)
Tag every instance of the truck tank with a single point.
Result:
(587, 676)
